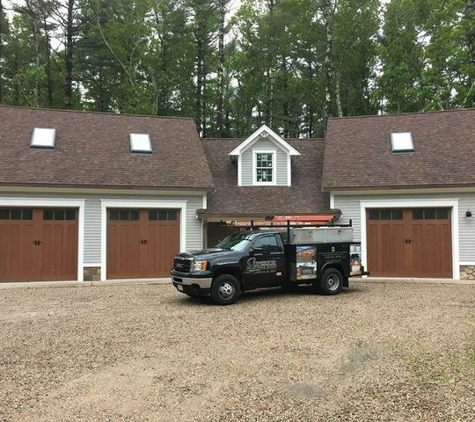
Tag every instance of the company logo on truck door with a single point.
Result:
(254, 266)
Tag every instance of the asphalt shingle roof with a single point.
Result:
(358, 151)
(305, 196)
(93, 150)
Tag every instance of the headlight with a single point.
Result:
(199, 265)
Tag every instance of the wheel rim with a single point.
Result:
(226, 290)
(333, 282)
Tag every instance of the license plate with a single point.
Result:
(179, 287)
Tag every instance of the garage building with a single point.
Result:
(97, 196)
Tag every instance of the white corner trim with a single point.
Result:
(58, 203)
(254, 167)
(415, 203)
(332, 200)
(239, 166)
(289, 170)
(138, 204)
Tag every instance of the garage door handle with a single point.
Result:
(37, 242)
(408, 240)
(143, 241)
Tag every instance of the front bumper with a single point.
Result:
(199, 286)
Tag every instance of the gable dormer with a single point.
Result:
(263, 159)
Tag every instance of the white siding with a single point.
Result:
(264, 144)
(350, 207)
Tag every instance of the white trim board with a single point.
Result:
(138, 204)
(415, 203)
(57, 203)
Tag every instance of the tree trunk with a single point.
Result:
(68, 87)
(220, 87)
(199, 86)
(327, 12)
(48, 64)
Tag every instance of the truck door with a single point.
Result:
(265, 266)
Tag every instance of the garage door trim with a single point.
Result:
(56, 203)
(453, 204)
(138, 204)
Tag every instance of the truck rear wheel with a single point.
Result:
(331, 282)
(225, 289)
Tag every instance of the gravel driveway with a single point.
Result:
(376, 352)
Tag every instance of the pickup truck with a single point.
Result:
(261, 259)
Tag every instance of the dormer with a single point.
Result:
(263, 159)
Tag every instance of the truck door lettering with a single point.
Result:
(254, 266)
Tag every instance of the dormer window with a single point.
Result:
(264, 159)
(264, 167)
(43, 138)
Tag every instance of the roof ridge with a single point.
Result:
(415, 113)
(101, 113)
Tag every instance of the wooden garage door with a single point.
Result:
(38, 244)
(141, 243)
(409, 242)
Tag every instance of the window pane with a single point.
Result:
(124, 215)
(15, 214)
(442, 214)
(4, 214)
(59, 215)
(373, 214)
(385, 215)
(134, 215)
(429, 214)
(28, 214)
(70, 215)
(397, 215)
(152, 215)
(114, 215)
(417, 214)
(172, 215)
(48, 214)
(162, 215)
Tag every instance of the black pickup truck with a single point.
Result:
(258, 259)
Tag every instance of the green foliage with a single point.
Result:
(162, 57)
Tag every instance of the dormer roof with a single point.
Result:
(264, 132)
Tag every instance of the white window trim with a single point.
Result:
(56, 203)
(254, 167)
(138, 204)
(415, 203)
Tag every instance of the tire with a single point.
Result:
(225, 289)
(331, 282)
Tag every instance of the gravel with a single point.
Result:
(144, 352)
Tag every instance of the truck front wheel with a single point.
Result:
(225, 289)
(331, 282)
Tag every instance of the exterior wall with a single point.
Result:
(350, 206)
(264, 144)
(92, 253)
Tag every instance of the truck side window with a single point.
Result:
(269, 242)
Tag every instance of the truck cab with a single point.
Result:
(262, 259)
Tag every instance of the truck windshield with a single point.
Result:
(235, 242)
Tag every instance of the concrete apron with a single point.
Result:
(159, 281)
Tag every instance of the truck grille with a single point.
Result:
(182, 265)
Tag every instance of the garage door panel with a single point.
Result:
(35, 249)
(145, 251)
(409, 243)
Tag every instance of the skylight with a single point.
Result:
(43, 138)
(402, 142)
(140, 142)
